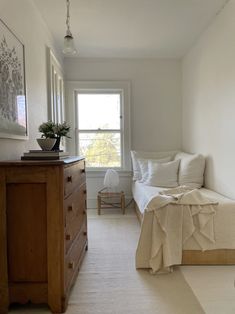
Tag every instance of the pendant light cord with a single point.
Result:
(68, 19)
(69, 47)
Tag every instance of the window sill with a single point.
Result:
(101, 173)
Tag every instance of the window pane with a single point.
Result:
(99, 111)
(100, 149)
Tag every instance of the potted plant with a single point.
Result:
(52, 132)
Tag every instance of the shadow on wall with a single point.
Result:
(214, 181)
(209, 174)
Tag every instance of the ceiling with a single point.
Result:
(130, 28)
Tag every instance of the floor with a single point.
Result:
(213, 286)
(108, 282)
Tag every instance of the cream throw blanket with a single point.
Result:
(169, 220)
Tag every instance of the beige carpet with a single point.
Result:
(108, 282)
(214, 286)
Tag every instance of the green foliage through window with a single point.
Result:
(99, 129)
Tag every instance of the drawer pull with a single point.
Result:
(71, 265)
(84, 212)
(84, 233)
(69, 179)
(82, 170)
(68, 237)
(84, 192)
(70, 208)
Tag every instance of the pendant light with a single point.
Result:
(69, 47)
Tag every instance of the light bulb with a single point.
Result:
(69, 47)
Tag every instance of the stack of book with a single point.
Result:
(44, 155)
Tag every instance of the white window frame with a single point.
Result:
(55, 82)
(73, 88)
(121, 130)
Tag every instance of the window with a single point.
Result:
(100, 128)
(99, 113)
(55, 88)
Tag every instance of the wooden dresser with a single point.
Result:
(43, 230)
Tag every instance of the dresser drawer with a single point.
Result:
(75, 205)
(73, 258)
(75, 214)
(72, 231)
(73, 177)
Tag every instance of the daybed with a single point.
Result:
(149, 170)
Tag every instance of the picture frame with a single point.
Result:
(13, 104)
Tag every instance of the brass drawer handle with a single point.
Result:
(71, 265)
(68, 237)
(69, 179)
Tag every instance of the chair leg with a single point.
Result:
(98, 204)
(123, 203)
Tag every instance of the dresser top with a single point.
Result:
(63, 161)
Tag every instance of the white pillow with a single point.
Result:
(191, 170)
(147, 155)
(164, 175)
(143, 165)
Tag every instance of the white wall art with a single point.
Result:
(13, 107)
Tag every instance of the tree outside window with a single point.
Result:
(99, 129)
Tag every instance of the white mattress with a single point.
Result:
(224, 221)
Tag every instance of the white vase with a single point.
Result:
(46, 143)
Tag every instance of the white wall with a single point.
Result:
(209, 101)
(155, 102)
(155, 96)
(24, 20)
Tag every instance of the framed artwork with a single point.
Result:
(13, 106)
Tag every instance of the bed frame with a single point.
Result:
(196, 257)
